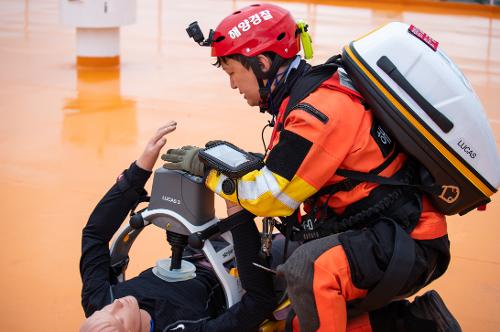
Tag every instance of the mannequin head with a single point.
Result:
(123, 314)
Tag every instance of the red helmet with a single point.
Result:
(257, 29)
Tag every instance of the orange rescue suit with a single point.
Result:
(345, 142)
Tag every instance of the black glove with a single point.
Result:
(185, 158)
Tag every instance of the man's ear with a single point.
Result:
(264, 63)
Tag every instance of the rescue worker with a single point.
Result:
(365, 245)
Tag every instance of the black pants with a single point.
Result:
(369, 252)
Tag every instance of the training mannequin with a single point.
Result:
(148, 303)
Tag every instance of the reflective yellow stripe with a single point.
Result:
(265, 193)
(443, 150)
(267, 206)
(254, 184)
(298, 189)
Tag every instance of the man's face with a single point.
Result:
(242, 79)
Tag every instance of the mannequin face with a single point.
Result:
(244, 79)
(123, 315)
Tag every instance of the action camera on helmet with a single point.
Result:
(194, 31)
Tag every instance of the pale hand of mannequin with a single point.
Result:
(150, 154)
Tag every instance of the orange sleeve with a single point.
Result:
(432, 224)
(331, 141)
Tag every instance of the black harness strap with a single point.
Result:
(335, 224)
(368, 177)
(350, 182)
(395, 277)
(362, 213)
(308, 83)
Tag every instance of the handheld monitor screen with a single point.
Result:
(228, 155)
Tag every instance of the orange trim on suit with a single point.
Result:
(332, 288)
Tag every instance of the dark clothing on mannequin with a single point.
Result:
(199, 303)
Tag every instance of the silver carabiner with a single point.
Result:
(266, 237)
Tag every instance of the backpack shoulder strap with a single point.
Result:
(311, 81)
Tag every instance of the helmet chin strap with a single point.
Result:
(265, 89)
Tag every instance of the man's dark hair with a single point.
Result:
(237, 57)
(244, 60)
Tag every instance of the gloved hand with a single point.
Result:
(185, 158)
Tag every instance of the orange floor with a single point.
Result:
(66, 133)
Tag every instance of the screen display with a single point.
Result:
(227, 155)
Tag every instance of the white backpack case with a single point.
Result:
(421, 96)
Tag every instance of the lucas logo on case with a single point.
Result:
(471, 152)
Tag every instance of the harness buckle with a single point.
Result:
(308, 223)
